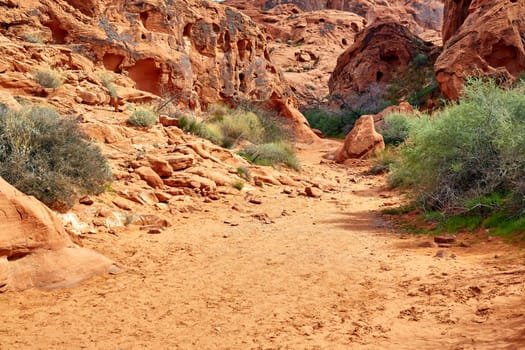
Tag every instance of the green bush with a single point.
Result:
(239, 125)
(107, 81)
(470, 150)
(48, 157)
(395, 129)
(195, 127)
(272, 154)
(48, 77)
(331, 124)
(383, 161)
(143, 117)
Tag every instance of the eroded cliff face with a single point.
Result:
(383, 53)
(198, 51)
(483, 38)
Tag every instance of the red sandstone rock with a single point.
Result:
(198, 52)
(361, 142)
(151, 177)
(380, 52)
(487, 42)
(35, 251)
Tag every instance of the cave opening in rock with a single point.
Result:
(379, 75)
(112, 62)
(59, 34)
(146, 75)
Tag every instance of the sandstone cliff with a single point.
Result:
(198, 52)
(482, 38)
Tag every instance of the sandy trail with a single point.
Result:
(290, 273)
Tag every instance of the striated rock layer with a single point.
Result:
(482, 38)
(35, 251)
(198, 52)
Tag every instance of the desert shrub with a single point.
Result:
(239, 125)
(48, 157)
(383, 161)
(470, 150)
(331, 124)
(107, 80)
(272, 154)
(48, 77)
(395, 129)
(143, 117)
(195, 127)
(33, 38)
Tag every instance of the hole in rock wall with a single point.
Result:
(146, 75)
(344, 42)
(391, 59)
(112, 62)
(244, 47)
(59, 34)
(379, 75)
(504, 55)
(144, 18)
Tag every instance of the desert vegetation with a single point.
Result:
(48, 77)
(257, 135)
(467, 161)
(143, 116)
(49, 157)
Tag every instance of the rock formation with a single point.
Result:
(35, 251)
(382, 51)
(481, 37)
(198, 52)
(362, 142)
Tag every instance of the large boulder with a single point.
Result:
(35, 251)
(361, 142)
(382, 52)
(483, 38)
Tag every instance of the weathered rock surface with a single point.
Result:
(361, 142)
(381, 51)
(198, 52)
(483, 38)
(35, 251)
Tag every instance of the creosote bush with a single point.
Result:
(48, 157)
(471, 150)
(143, 117)
(48, 77)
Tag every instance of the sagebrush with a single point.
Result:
(49, 157)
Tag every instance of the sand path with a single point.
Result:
(290, 273)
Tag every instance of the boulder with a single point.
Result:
(361, 142)
(483, 38)
(381, 52)
(151, 177)
(160, 166)
(35, 250)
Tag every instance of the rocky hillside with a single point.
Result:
(197, 52)
(305, 37)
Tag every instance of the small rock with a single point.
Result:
(426, 244)
(441, 254)
(86, 200)
(154, 231)
(287, 190)
(307, 330)
(444, 245)
(464, 245)
(165, 120)
(313, 192)
(445, 239)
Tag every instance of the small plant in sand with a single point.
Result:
(143, 117)
(48, 77)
